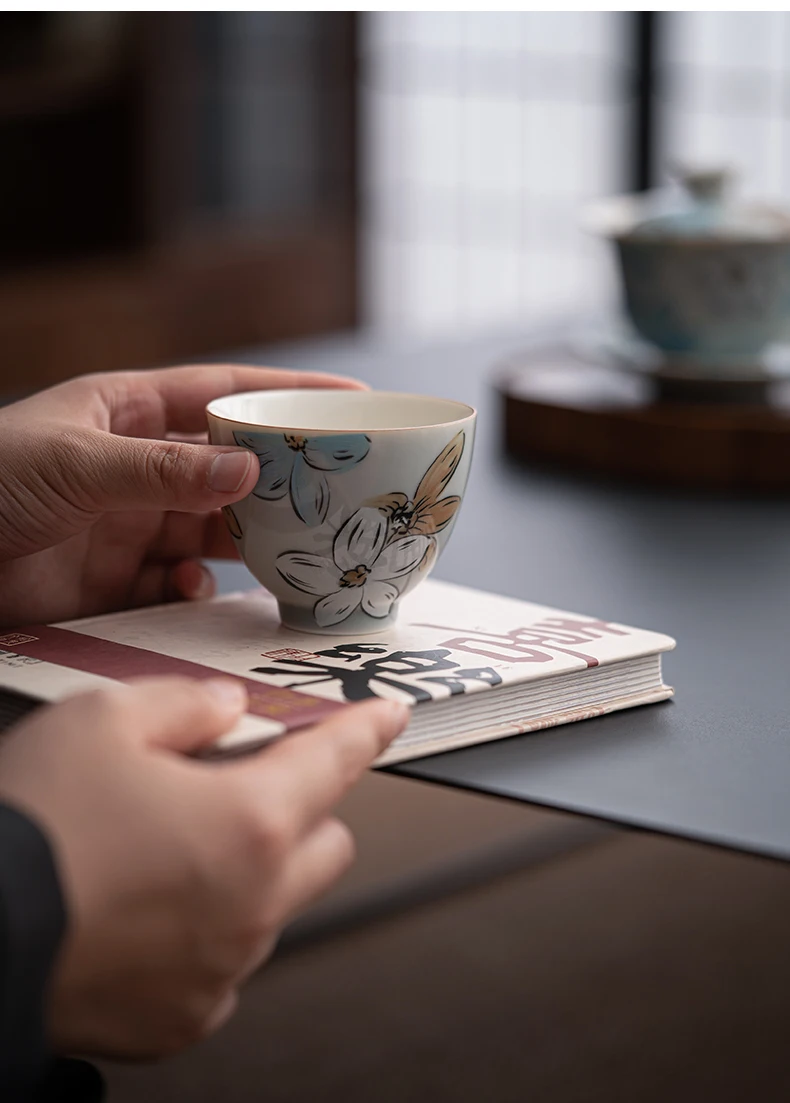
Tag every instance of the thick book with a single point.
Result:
(475, 666)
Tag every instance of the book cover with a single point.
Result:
(476, 665)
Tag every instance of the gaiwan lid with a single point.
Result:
(697, 207)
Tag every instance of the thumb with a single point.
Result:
(179, 714)
(130, 473)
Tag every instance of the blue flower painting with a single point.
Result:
(298, 466)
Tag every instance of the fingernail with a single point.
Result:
(401, 714)
(228, 692)
(228, 471)
(205, 585)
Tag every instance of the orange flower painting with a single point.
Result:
(427, 512)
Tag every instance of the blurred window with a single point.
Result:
(723, 87)
(482, 134)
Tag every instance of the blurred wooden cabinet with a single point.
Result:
(174, 185)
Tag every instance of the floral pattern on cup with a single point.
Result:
(298, 465)
(361, 572)
(232, 522)
(426, 512)
(389, 539)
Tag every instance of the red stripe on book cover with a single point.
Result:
(124, 662)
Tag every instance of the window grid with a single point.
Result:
(482, 136)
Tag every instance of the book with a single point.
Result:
(475, 666)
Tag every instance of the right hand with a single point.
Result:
(178, 873)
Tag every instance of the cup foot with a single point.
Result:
(300, 619)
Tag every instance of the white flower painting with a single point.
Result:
(365, 565)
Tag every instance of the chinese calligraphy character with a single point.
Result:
(390, 669)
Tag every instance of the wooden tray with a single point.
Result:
(595, 418)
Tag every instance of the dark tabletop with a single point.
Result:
(714, 764)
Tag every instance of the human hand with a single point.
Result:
(99, 510)
(178, 872)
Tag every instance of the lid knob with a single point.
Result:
(704, 185)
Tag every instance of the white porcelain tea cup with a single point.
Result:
(357, 496)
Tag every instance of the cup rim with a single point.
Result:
(466, 411)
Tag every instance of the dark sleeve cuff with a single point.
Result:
(32, 925)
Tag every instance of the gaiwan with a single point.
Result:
(705, 278)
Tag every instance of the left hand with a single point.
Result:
(101, 509)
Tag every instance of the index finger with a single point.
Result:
(185, 392)
(302, 777)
